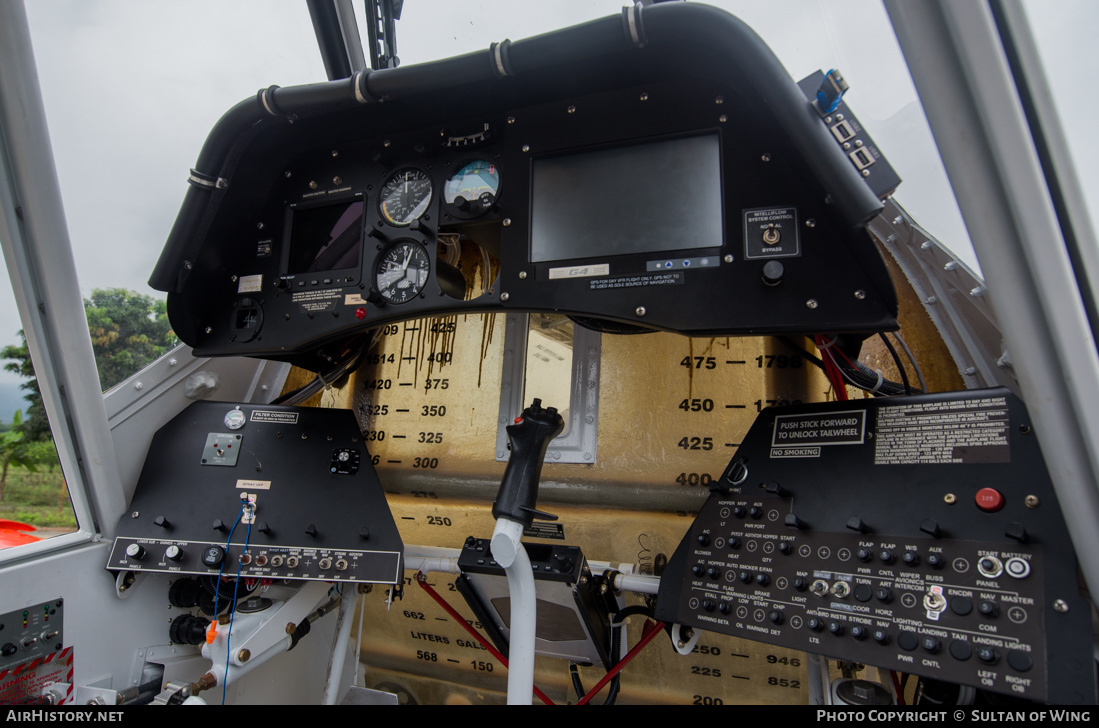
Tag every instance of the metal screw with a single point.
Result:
(970, 371)
(335, 153)
(287, 173)
(312, 185)
(728, 259)
(1032, 501)
(386, 144)
(1060, 606)
(504, 296)
(978, 291)
(723, 118)
(522, 274)
(640, 310)
(932, 300)
(587, 456)
(243, 655)
(173, 362)
(766, 157)
(138, 385)
(810, 223)
(187, 264)
(526, 147)
(337, 180)
(950, 265)
(860, 294)
(259, 226)
(926, 245)
(511, 119)
(209, 329)
(866, 173)
(644, 96)
(1024, 429)
(898, 220)
(507, 222)
(950, 499)
(719, 100)
(811, 303)
(135, 514)
(572, 109)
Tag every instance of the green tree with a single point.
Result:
(36, 426)
(13, 451)
(128, 331)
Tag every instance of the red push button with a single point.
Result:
(989, 499)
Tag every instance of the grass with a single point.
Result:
(38, 498)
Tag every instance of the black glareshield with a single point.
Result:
(528, 438)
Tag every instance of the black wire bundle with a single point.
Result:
(862, 376)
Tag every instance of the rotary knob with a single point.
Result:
(173, 553)
(135, 551)
(212, 556)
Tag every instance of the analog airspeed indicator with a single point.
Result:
(405, 196)
(401, 271)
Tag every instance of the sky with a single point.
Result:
(132, 88)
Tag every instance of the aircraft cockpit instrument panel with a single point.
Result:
(588, 171)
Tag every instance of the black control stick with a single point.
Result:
(529, 437)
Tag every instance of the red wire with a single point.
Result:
(831, 370)
(652, 629)
(897, 688)
(422, 581)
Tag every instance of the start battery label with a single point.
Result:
(959, 431)
(802, 435)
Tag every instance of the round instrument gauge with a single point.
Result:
(401, 271)
(472, 190)
(405, 196)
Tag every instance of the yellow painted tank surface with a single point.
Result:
(672, 411)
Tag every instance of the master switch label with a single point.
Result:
(801, 436)
(959, 431)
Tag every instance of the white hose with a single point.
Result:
(508, 551)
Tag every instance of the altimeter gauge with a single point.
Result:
(401, 271)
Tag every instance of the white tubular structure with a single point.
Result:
(261, 636)
(509, 553)
(339, 646)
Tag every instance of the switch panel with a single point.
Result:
(863, 531)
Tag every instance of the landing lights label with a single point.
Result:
(801, 436)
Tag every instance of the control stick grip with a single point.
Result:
(529, 439)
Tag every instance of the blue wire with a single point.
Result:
(233, 610)
(217, 586)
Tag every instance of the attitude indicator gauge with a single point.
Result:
(472, 190)
(405, 196)
(401, 271)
